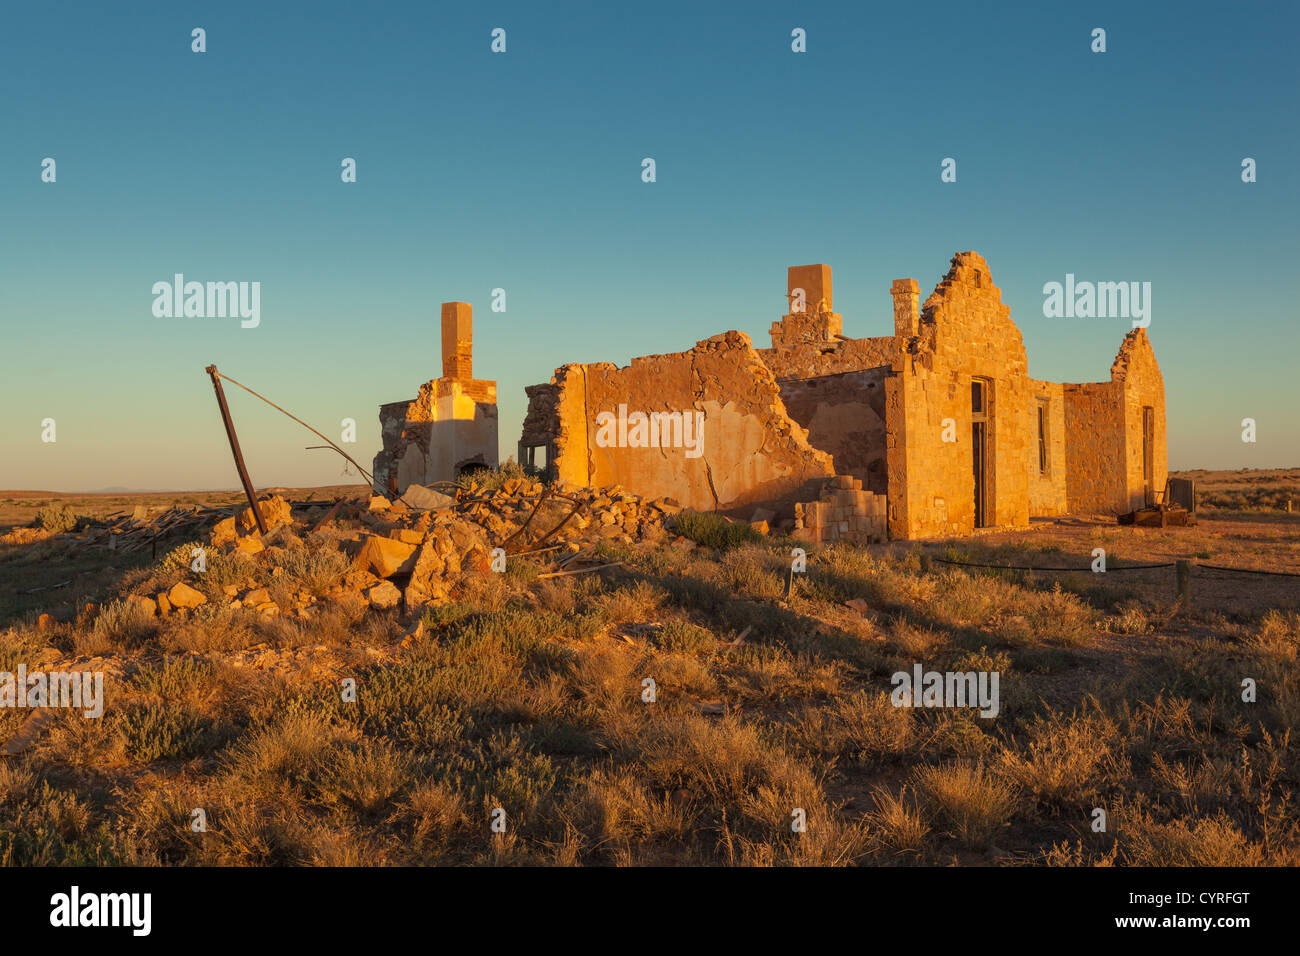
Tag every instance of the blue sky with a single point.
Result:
(522, 171)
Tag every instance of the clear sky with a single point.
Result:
(522, 171)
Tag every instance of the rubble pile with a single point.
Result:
(409, 557)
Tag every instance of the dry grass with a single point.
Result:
(528, 695)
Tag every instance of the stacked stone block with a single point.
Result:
(843, 512)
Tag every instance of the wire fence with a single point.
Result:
(1022, 567)
(1127, 567)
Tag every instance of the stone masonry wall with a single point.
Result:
(1136, 371)
(1047, 493)
(892, 412)
(964, 331)
(450, 425)
(1094, 451)
(843, 511)
(751, 451)
(844, 415)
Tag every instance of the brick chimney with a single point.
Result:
(457, 340)
(907, 307)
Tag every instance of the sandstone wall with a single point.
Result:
(1138, 376)
(813, 360)
(843, 511)
(874, 410)
(751, 451)
(965, 331)
(1047, 492)
(845, 415)
(1094, 450)
(450, 425)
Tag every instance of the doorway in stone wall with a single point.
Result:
(1148, 454)
(980, 392)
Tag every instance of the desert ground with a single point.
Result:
(524, 690)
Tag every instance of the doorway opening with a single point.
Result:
(980, 395)
(1148, 454)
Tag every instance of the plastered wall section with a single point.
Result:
(751, 451)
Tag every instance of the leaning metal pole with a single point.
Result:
(234, 448)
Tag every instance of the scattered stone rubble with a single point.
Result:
(409, 558)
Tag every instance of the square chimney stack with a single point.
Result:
(457, 341)
(907, 307)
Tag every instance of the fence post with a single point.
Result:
(1184, 568)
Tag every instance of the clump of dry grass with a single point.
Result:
(1065, 759)
(119, 626)
(972, 803)
(898, 824)
(1130, 617)
(365, 777)
(1203, 841)
(632, 605)
(212, 627)
(860, 726)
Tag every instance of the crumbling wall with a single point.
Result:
(893, 413)
(451, 424)
(964, 331)
(809, 360)
(541, 426)
(750, 450)
(1104, 432)
(844, 414)
(1137, 374)
(843, 511)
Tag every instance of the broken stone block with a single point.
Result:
(378, 503)
(426, 499)
(384, 595)
(256, 596)
(385, 557)
(275, 511)
(182, 595)
(406, 535)
(250, 545)
(429, 564)
(223, 531)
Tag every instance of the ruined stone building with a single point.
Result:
(449, 427)
(933, 429)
